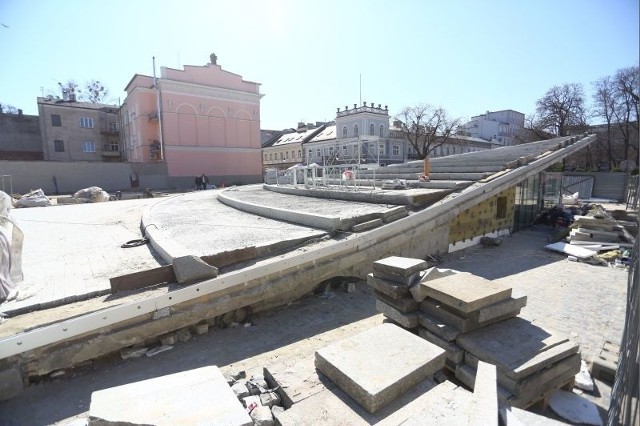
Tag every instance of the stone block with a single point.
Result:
(510, 306)
(400, 270)
(169, 339)
(262, 416)
(240, 390)
(405, 305)
(391, 289)
(438, 328)
(180, 398)
(420, 291)
(396, 360)
(466, 292)
(192, 269)
(512, 416)
(184, 335)
(11, 384)
(405, 320)
(365, 226)
(442, 312)
(127, 353)
(201, 328)
(604, 370)
(291, 380)
(516, 347)
(483, 409)
(453, 352)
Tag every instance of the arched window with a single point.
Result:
(372, 129)
(355, 130)
(344, 132)
(381, 131)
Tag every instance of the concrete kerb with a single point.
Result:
(166, 248)
(308, 219)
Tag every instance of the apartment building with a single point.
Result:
(503, 128)
(78, 131)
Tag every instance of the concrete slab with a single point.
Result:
(483, 408)
(405, 304)
(516, 346)
(391, 289)
(199, 396)
(453, 352)
(438, 328)
(396, 360)
(420, 291)
(192, 269)
(409, 320)
(467, 292)
(512, 416)
(401, 270)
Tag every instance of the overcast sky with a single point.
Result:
(310, 56)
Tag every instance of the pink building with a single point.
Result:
(198, 120)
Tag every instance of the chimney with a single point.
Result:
(338, 109)
(19, 113)
(346, 107)
(355, 105)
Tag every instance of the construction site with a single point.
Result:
(418, 293)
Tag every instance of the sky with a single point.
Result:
(312, 57)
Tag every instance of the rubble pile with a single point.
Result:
(261, 401)
(474, 319)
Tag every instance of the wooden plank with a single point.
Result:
(136, 280)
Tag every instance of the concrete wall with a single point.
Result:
(72, 176)
(20, 137)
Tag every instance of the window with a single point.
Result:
(331, 150)
(270, 157)
(355, 130)
(114, 146)
(299, 153)
(381, 131)
(113, 127)
(344, 132)
(86, 122)
(344, 149)
(318, 152)
(281, 156)
(310, 153)
(56, 121)
(265, 157)
(372, 129)
(88, 147)
(396, 150)
(58, 145)
(287, 155)
(381, 149)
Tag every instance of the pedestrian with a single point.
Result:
(197, 181)
(204, 181)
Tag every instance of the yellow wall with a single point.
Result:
(482, 218)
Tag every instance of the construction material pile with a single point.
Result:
(474, 319)
(597, 238)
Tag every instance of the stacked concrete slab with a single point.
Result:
(451, 309)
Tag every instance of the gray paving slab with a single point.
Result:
(378, 365)
(391, 289)
(408, 320)
(516, 346)
(405, 304)
(199, 396)
(453, 352)
(467, 292)
(483, 408)
(400, 270)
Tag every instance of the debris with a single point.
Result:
(35, 198)
(127, 353)
(201, 328)
(269, 399)
(572, 250)
(490, 242)
(93, 194)
(574, 408)
(583, 378)
(241, 390)
(351, 287)
(262, 416)
(184, 335)
(170, 339)
(57, 373)
(159, 349)
(161, 313)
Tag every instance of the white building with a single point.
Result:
(500, 127)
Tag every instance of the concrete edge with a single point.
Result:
(166, 248)
(307, 219)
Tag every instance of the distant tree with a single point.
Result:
(95, 92)
(605, 104)
(561, 107)
(426, 127)
(92, 91)
(8, 109)
(626, 83)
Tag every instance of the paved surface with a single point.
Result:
(586, 302)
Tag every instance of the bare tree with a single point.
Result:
(604, 100)
(8, 109)
(626, 82)
(561, 107)
(92, 91)
(426, 127)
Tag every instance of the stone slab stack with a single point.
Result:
(531, 362)
(391, 279)
(473, 320)
(458, 303)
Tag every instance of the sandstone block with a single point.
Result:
(467, 292)
(391, 289)
(401, 270)
(405, 305)
(405, 320)
(192, 269)
(396, 360)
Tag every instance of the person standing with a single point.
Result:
(197, 182)
(204, 181)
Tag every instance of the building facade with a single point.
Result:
(78, 131)
(20, 137)
(286, 150)
(503, 128)
(201, 119)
